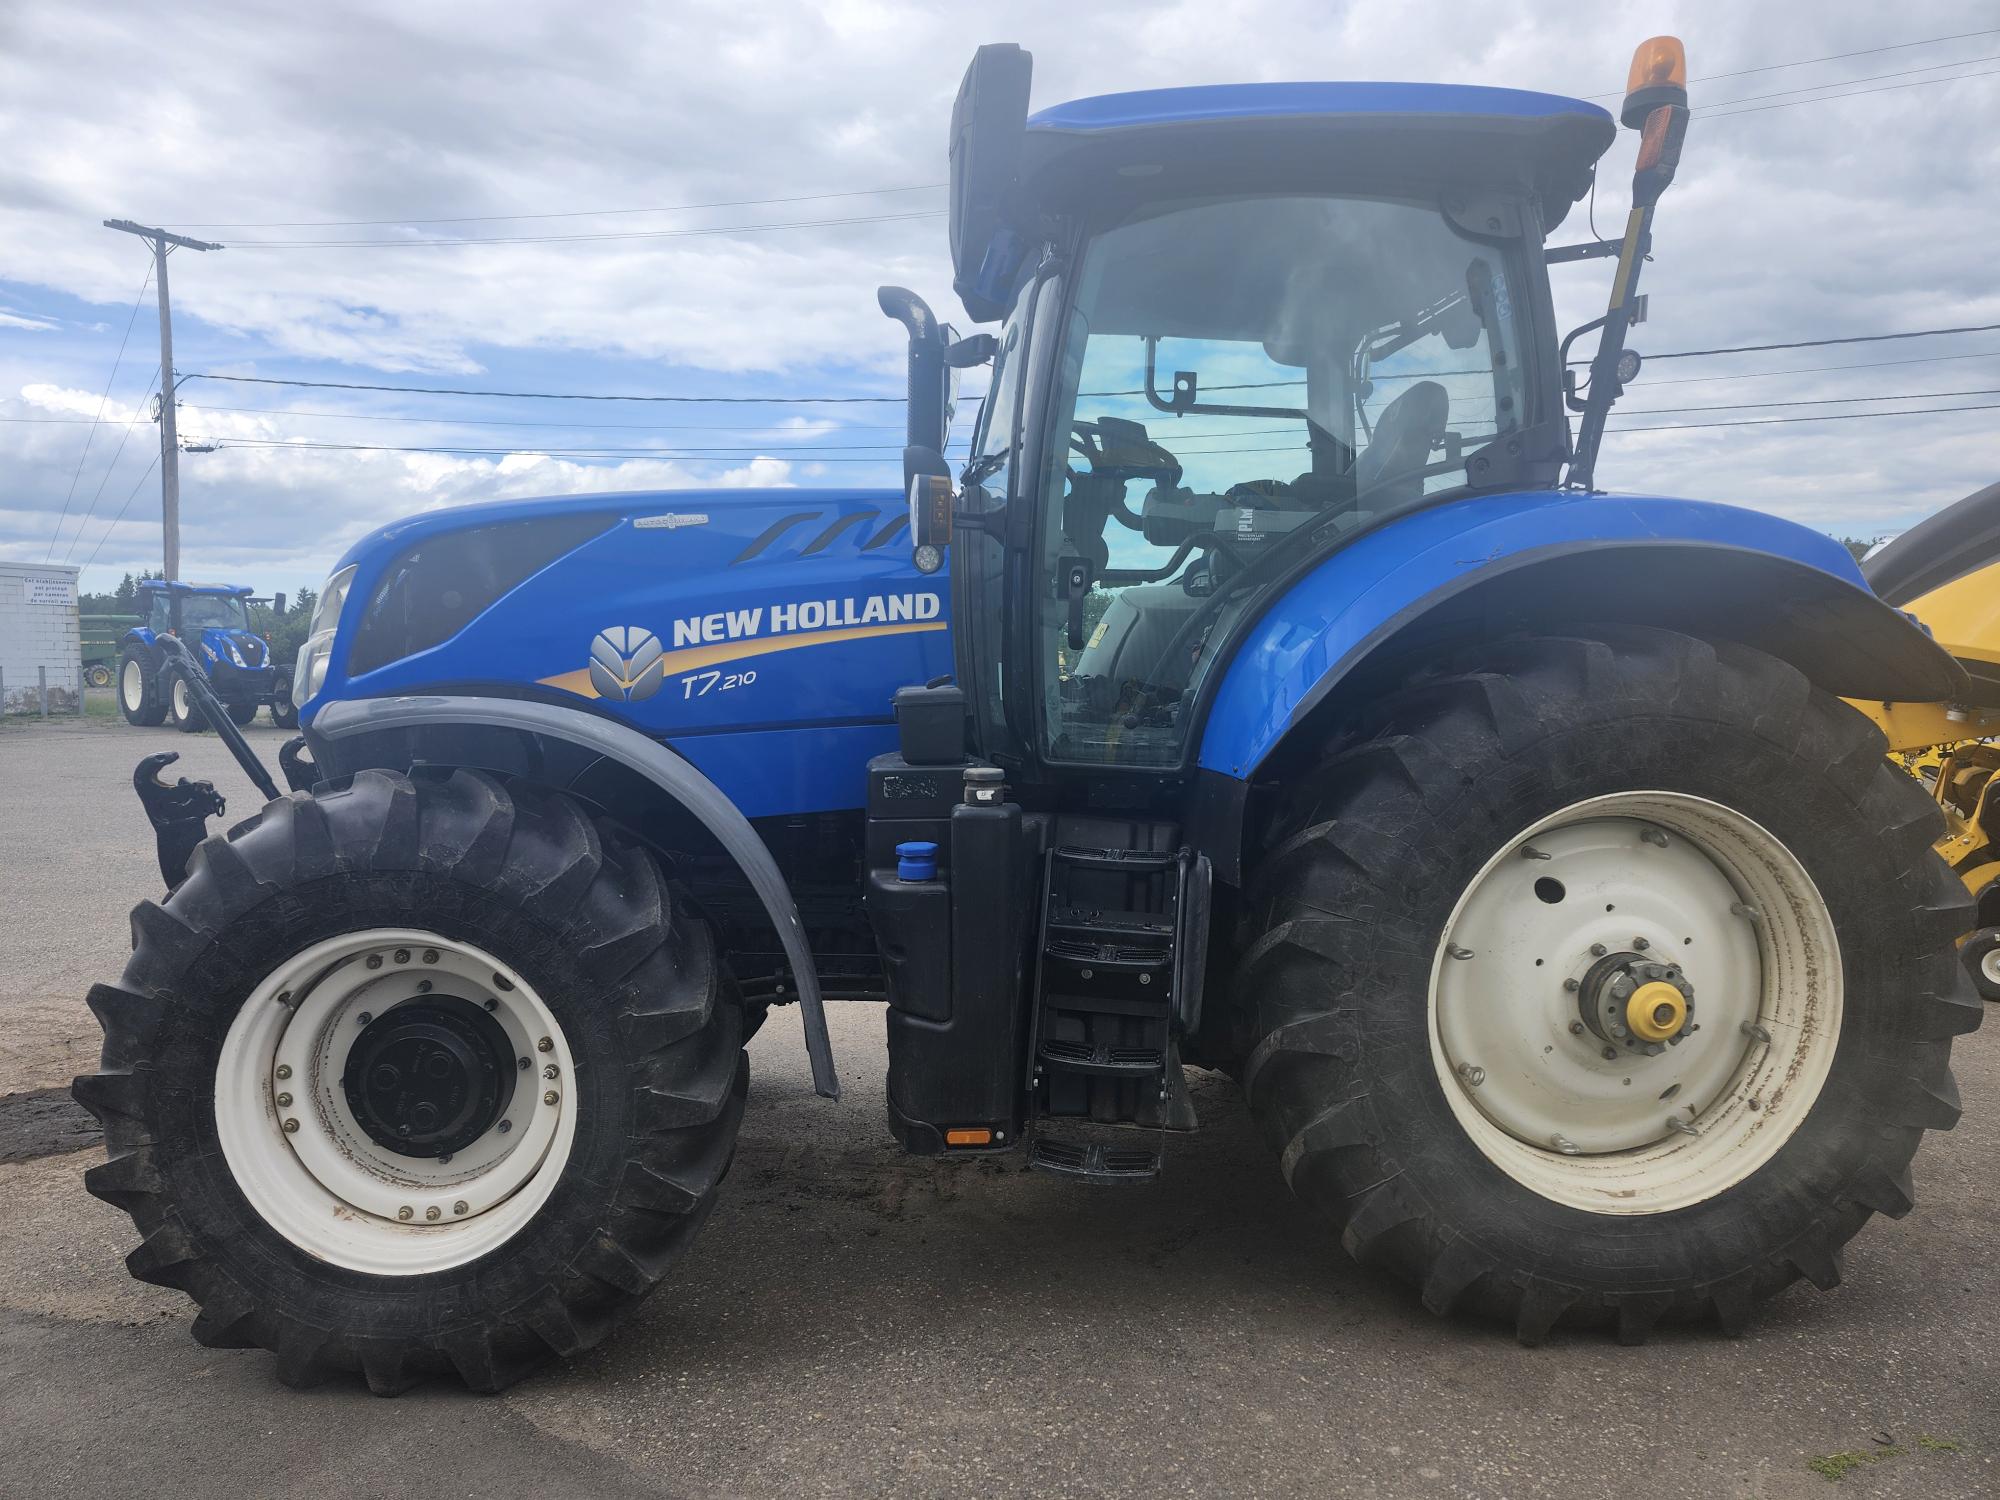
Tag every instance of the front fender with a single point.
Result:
(1545, 559)
(349, 718)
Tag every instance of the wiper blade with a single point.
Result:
(978, 468)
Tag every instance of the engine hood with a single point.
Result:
(699, 616)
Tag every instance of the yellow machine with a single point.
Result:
(1946, 573)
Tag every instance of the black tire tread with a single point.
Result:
(1339, 824)
(604, 897)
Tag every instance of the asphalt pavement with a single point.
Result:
(857, 1322)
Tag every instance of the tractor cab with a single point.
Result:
(1239, 326)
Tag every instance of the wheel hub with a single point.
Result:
(1636, 1004)
(430, 1077)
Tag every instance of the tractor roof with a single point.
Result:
(1493, 137)
(179, 586)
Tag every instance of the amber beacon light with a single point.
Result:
(1659, 76)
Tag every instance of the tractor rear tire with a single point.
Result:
(182, 710)
(1403, 905)
(420, 901)
(139, 696)
(241, 713)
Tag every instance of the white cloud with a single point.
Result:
(1867, 215)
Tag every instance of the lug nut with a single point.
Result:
(1610, 1054)
(526, 1064)
(406, 1212)
(402, 955)
(545, 1045)
(505, 1126)
(492, 1004)
(284, 1070)
(1572, 985)
(291, 1127)
(1576, 1028)
(363, 1019)
(552, 1071)
(459, 1207)
(433, 1213)
(423, 986)
(1472, 1074)
(550, 1096)
(1654, 837)
(284, 1101)
(374, 960)
(1598, 950)
(1641, 944)
(430, 955)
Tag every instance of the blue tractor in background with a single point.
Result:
(1271, 692)
(211, 624)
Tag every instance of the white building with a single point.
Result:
(39, 629)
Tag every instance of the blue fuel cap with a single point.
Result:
(916, 860)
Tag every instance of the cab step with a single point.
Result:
(1118, 981)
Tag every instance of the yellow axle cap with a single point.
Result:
(1656, 1011)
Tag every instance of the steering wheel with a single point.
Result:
(1120, 450)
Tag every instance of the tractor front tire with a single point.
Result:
(139, 696)
(1606, 979)
(416, 1076)
(97, 675)
(241, 713)
(182, 710)
(1980, 954)
(284, 712)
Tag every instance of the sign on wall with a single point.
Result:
(58, 591)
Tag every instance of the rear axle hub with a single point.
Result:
(1635, 1003)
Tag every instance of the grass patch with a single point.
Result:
(1837, 1466)
(1939, 1445)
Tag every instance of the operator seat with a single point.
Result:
(1388, 472)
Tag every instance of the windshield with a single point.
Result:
(1234, 369)
(202, 610)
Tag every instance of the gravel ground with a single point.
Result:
(857, 1322)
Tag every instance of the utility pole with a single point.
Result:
(170, 468)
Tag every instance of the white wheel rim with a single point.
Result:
(1711, 894)
(134, 686)
(1989, 965)
(324, 1184)
(180, 699)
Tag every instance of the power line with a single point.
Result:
(1806, 62)
(1813, 88)
(558, 239)
(112, 525)
(1873, 364)
(693, 455)
(1654, 411)
(112, 467)
(56, 535)
(1854, 338)
(1849, 416)
(572, 213)
(1729, 114)
(364, 416)
(439, 390)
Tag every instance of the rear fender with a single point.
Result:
(1542, 561)
(348, 722)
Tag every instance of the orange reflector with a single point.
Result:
(980, 1137)
(1658, 61)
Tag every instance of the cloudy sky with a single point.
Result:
(637, 155)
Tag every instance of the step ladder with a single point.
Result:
(1124, 936)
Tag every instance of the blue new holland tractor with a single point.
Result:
(198, 630)
(1272, 691)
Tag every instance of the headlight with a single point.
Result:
(309, 676)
